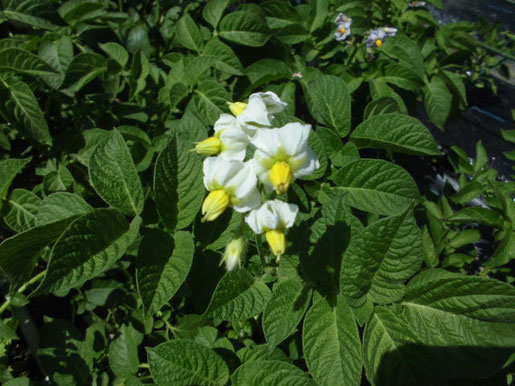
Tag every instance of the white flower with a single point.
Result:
(343, 29)
(376, 36)
(229, 141)
(282, 155)
(415, 4)
(234, 253)
(230, 183)
(257, 113)
(272, 218)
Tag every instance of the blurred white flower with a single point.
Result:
(376, 37)
(230, 183)
(343, 27)
(257, 113)
(282, 155)
(272, 218)
(229, 141)
(415, 4)
(234, 253)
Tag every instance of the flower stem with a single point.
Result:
(35, 279)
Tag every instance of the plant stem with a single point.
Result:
(35, 279)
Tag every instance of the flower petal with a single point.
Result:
(287, 213)
(310, 164)
(255, 114)
(294, 137)
(273, 103)
(250, 202)
(226, 121)
(267, 141)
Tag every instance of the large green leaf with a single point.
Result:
(381, 105)
(184, 362)
(123, 352)
(21, 109)
(89, 246)
(59, 206)
(380, 259)
(213, 11)
(402, 76)
(162, 265)
(285, 309)
(188, 34)
(58, 54)
(226, 59)
(25, 18)
(392, 354)
(245, 28)
(22, 210)
(329, 102)
(83, 69)
(211, 99)
(407, 51)
(23, 62)
(376, 186)
(9, 168)
(114, 176)
(178, 186)
(396, 132)
(270, 372)
(449, 327)
(18, 254)
(331, 343)
(437, 100)
(238, 296)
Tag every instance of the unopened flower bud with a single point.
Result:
(234, 253)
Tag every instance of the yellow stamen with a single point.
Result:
(342, 30)
(281, 176)
(277, 242)
(214, 205)
(237, 108)
(379, 43)
(209, 146)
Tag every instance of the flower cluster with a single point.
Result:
(280, 156)
(375, 37)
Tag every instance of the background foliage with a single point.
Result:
(109, 276)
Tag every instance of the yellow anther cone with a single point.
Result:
(214, 205)
(209, 146)
(281, 176)
(379, 43)
(342, 30)
(277, 242)
(237, 108)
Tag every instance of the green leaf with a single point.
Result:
(269, 372)
(60, 206)
(138, 40)
(89, 246)
(267, 70)
(210, 99)
(407, 51)
(437, 99)
(18, 254)
(7, 332)
(178, 185)
(379, 89)
(74, 11)
(33, 21)
(162, 264)
(140, 69)
(331, 343)
(478, 215)
(188, 34)
(376, 186)
(116, 52)
(238, 296)
(123, 353)
(22, 209)
(184, 362)
(21, 109)
(23, 62)
(213, 11)
(380, 259)
(226, 59)
(329, 102)
(381, 105)
(248, 29)
(58, 54)
(83, 69)
(319, 11)
(455, 83)
(403, 77)
(391, 352)
(114, 176)
(9, 168)
(59, 179)
(285, 309)
(395, 132)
